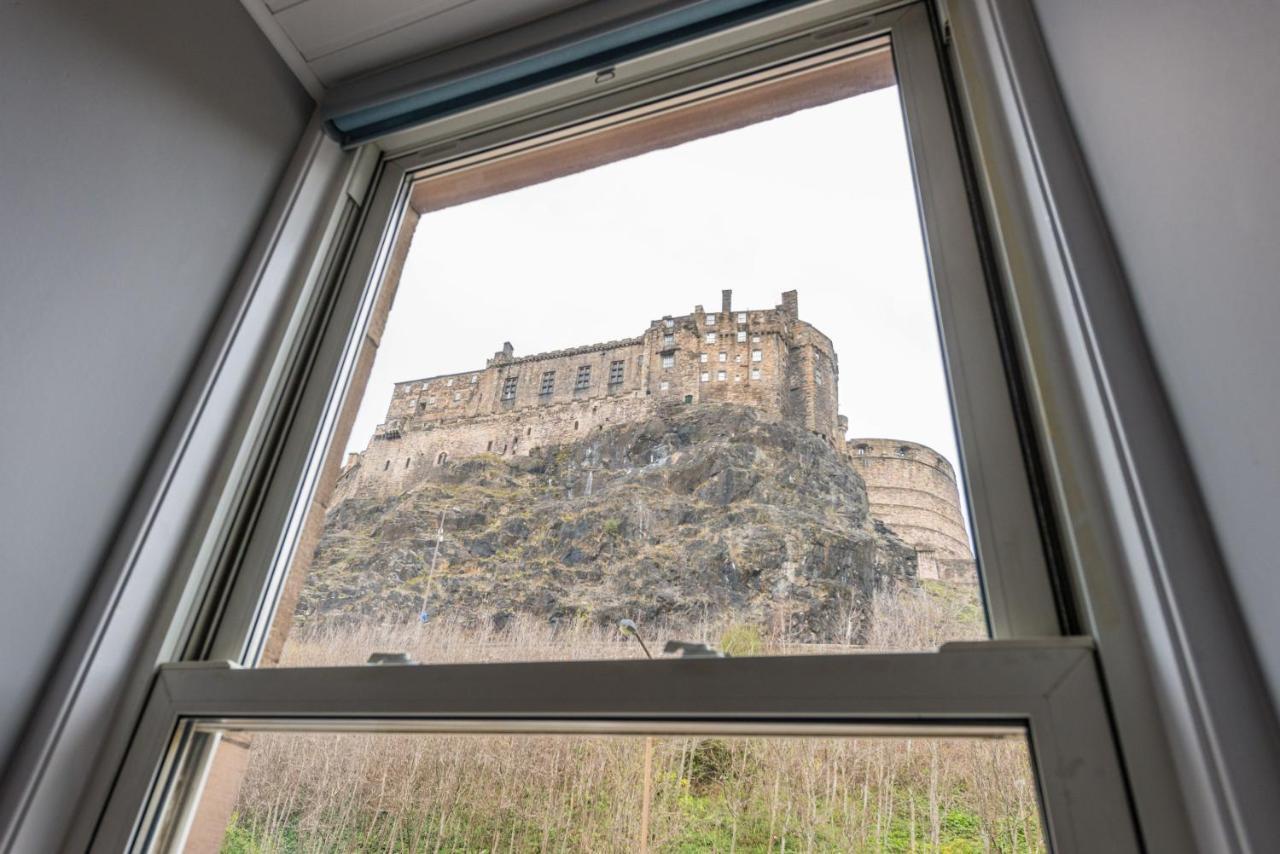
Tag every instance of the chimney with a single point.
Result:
(501, 357)
(509, 351)
(726, 301)
(791, 304)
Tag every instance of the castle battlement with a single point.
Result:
(768, 359)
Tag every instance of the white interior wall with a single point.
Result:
(140, 142)
(1174, 103)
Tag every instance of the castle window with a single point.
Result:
(742, 335)
(489, 447)
(406, 462)
(528, 431)
(615, 372)
(817, 376)
(755, 373)
(664, 386)
(702, 357)
(457, 395)
(475, 378)
(422, 406)
(704, 376)
(548, 383)
(386, 465)
(757, 355)
(669, 360)
(584, 378)
(710, 320)
(720, 376)
(742, 317)
(724, 357)
(902, 450)
(668, 322)
(668, 340)
(449, 383)
(441, 458)
(575, 425)
(755, 339)
(509, 387)
(737, 358)
(711, 338)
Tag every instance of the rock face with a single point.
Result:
(702, 511)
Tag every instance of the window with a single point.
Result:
(615, 372)
(664, 386)
(702, 357)
(742, 317)
(457, 395)
(742, 335)
(548, 384)
(438, 591)
(817, 375)
(475, 378)
(668, 340)
(449, 382)
(755, 339)
(668, 322)
(724, 357)
(710, 320)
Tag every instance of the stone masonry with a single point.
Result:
(769, 359)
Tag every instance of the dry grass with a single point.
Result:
(358, 792)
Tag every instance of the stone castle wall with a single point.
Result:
(912, 489)
(769, 359)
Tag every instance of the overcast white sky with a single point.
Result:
(820, 201)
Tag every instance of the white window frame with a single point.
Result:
(990, 51)
(742, 335)
(668, 361)
(711, 338)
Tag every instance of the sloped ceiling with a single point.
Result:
(329, 43)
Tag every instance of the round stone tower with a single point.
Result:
(912, 489)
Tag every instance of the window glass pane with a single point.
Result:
(805, 500)
(349, 792)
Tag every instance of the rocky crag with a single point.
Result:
(701, 511)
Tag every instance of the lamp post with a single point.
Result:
(431, 572)
(629, 628)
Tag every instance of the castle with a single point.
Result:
(767, 359)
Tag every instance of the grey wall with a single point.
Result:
(1175, 105)
(140, 141)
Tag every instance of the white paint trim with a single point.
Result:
(288, 51)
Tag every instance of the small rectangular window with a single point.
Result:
(449, 383)
(664, 386)
(720, 376)
(742, 335)
(711, 338)
(757, 356)
(584, 378)
(457, 395)
(724, 357)
(710, 320)
(742, 317)
(755, 373)
(704, 376)
(668, 340)
(548, 383)
(702, 357)
(615, 372)
(668, 360)
(508, 388)
(755, 339)
(669, 323)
